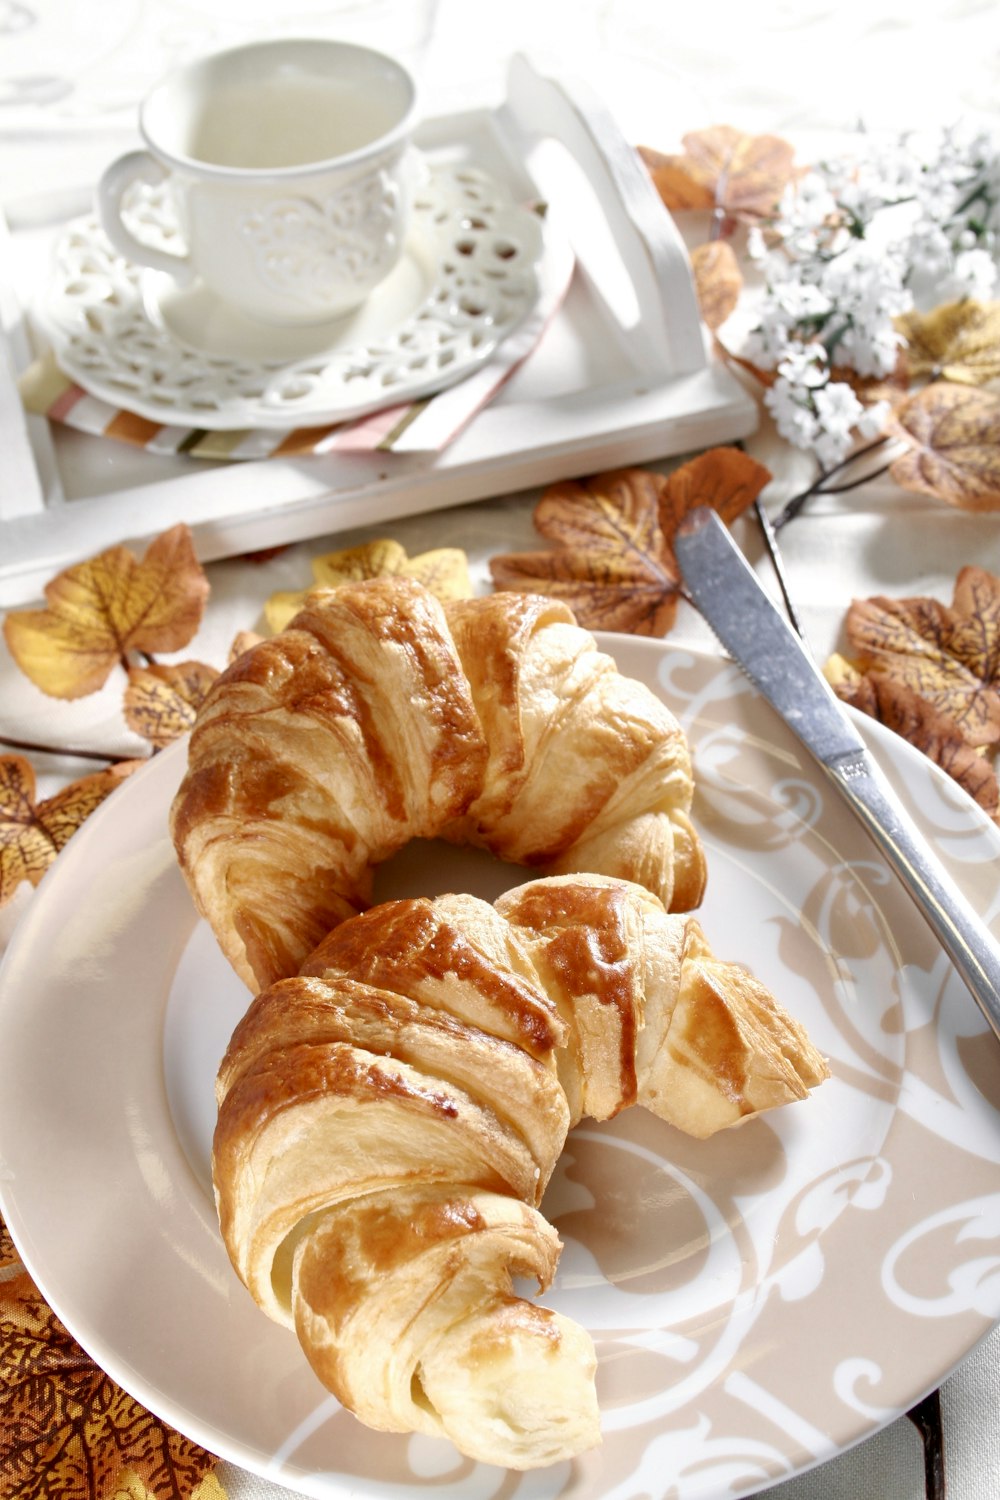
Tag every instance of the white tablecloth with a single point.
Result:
(70, 76)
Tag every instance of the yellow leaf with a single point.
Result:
(31, 835)
(445, 571)
(354, 564)
(841, 673)
(958, 341)
(282, 607)
(161, 701)
(718, 281)
(954, 437)
(99, 611)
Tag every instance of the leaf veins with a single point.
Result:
(67, 1432)
(742, 176)
(953, 433)
(32, 834)
(444, 571)
(99, 611)
(949, 656)
(613, 562)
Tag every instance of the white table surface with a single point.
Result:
(795, 67)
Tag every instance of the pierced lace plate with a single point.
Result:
(467, 277)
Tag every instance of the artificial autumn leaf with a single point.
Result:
(32, 834)
(725, 479)
(954, 437)
(613, 563)
(98, 611)
(741, 175)
(282, 607)
(718, 281)
(67, 1432)
(765, 378)
(957, 341)
(948, 655)
(161, 701)
(243, 640)
(900, 709)
(445, 571)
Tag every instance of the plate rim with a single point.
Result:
(887, 745)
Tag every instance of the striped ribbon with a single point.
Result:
(425, 426)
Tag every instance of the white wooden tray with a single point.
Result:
(623, 375)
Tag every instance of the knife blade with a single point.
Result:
(729, 595)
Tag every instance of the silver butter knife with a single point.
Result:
(728, 594)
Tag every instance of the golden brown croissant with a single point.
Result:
(380, 716)
(389, 1119)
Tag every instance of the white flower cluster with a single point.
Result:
(854, 243)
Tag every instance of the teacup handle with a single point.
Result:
(136, 166)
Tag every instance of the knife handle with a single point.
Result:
(961, 932)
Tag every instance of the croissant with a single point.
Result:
(380, 716)
(390, 1117)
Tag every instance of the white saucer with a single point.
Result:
(467, 277)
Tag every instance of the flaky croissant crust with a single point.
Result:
(380, 716)
(389, 1120)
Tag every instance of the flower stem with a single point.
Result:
(853, 484)
(778, 564)
(820, 486)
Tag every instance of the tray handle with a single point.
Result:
(664, 333)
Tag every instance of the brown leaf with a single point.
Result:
(718, 281)
(938, 737)
(98, 611)
(726, 479)
(161, 701)
(954, 437)
(612, 565)
(445, 571)
(763, 377)
(741, 175)
(67, 1432)
(678, 186)
(31, 835)
(948, 656)
(613, 561)
(633, 596)
(957, 341)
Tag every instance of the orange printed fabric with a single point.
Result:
(67, 1432)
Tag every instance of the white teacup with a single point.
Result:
(290, 169)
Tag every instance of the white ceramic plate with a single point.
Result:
(467, 278)
(759, 1301)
